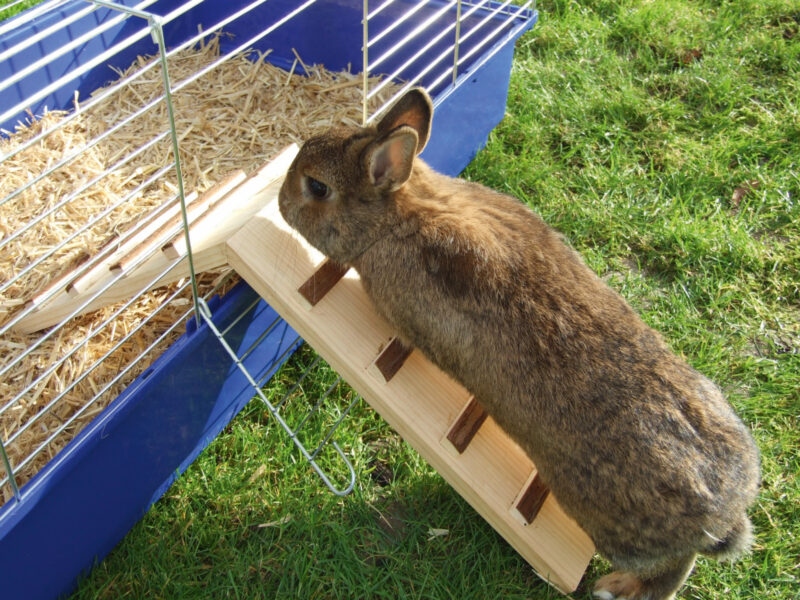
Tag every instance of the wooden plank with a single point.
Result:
(320, 283)
(128, 243)
(529, 502)
(73, 283)
(63, 284)
(465, 427)
(391, 358)
(194, 212)
(208, 235)
(420, 401)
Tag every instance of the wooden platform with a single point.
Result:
(433, 413)
(122, 270)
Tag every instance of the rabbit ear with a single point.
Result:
(415, 109)
(389, 158)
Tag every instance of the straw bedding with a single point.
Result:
(234, 117)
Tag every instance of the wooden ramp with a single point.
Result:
(136, 261)
(237, 222)
(437, 416)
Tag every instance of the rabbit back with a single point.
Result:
(638, 447)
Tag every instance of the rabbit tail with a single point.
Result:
(734, 544)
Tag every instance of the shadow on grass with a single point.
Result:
(405, 539)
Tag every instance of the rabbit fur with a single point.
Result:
(638, 447)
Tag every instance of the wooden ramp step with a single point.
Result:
(465, 426)
(434, 414)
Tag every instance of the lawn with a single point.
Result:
(662, 137)
(12, 7)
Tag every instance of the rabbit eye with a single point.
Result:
(317, 188)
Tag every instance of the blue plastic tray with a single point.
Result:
(85, 500)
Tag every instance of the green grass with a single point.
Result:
(17, 8)
(662, 137)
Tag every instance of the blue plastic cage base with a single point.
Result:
(87, 498)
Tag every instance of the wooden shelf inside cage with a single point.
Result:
(124, 269)
(434, 414)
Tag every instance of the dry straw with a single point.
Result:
(236, 116)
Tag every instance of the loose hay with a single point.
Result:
(236, 116)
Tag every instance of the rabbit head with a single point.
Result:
(338, 191)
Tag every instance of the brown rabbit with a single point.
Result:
(639, 448)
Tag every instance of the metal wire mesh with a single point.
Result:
(45, 391)
(435, 50)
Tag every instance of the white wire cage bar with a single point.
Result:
(155, 25)
(294, 431)
(434, 50)
(33, 12)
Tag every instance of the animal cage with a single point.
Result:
(130, 133)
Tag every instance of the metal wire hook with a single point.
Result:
(205, 313)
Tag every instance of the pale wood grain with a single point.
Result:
(420, 401)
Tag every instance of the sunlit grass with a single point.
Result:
(662, 137)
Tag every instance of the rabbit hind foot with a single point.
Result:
(618, 585)
(624, 585)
